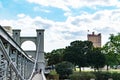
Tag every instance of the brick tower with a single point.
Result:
(95, 38)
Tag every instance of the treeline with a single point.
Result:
(83, 54)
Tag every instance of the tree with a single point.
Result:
(76, 52)
(115, 42)
(96, 58)
(64, 69)
(112, 50)
(111, 58)
(56, 56)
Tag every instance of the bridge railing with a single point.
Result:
(14, 62)
(3, 69)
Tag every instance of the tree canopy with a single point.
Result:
(56, 56)
(112, 50)
(77, 51)
(96, 58)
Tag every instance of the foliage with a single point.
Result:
(96, 58)
(64, 69)
(76, 52)
(53, 75)
(111, 57)
(53, 72)
(112, 50)
(82, 76)
(115, 41)
(116, 76)
(106, 75)
(99, 59)
(95, 75)
(56, 56)
(102, 75)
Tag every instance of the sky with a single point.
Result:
(64, 21)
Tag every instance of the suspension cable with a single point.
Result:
(36, 59)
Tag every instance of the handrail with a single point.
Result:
(10, 40)
(10, 61)
(4, 35)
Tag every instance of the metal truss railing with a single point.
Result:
(3, 69)
(8, 59)
(15, 64)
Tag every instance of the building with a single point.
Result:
(95, 38)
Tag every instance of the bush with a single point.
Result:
(116, 76)
(102, 75)
(53, 72)
(82, 76)
(75, 77)
(95, 75)
(64, 69)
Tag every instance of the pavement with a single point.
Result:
(39, 76)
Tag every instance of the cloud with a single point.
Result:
(66, 5)
(21, 15)
(37, 9)
(52, 3)
(60, 34)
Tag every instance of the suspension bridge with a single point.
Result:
(15, 63)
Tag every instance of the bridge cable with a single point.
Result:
(36, 59)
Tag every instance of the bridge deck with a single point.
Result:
(39, 76)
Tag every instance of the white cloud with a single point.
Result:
(37, 9)
(21, 15)
(60, 34)
(52, 3)
(67, 4)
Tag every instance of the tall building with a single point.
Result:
(95, 38)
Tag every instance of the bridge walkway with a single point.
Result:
(39, 76)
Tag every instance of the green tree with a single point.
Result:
(96, 58)
(64, 69)
(115, 42)
(76, 53)
(112, 50)
(54, 57)
(111, 57)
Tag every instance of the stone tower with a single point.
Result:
(95, 38)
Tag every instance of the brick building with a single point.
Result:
(95, 38)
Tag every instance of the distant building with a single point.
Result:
(95, 38)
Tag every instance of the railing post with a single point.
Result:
(5, 72)
(13, 74)
(8, 73)
(23, 64)
(25, 70)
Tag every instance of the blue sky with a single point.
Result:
(63, 20)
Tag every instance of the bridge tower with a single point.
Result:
(39, 42)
